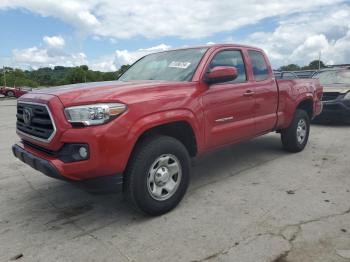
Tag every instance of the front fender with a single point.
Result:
(165, 117)
(156, 119)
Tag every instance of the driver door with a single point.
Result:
(229, 106)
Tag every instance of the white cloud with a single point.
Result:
(104, 64)
(113, 41)
(36, 57)
(299, 38)
(54, 41)
(87, 18)
(157, 48)
(128, 57)
(304, 27)
(152, 18)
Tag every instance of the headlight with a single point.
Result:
(347, 96)
(97, 114)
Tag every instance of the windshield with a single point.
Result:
(177, 65)
(334, 77)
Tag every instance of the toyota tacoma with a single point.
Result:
(138, 133)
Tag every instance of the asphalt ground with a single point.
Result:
(247, 202)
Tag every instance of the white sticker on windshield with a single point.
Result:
(176, 64)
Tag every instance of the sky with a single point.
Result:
(105, 34)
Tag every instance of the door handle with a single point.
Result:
(249, 93)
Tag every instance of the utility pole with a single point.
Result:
(14, 82)
(319, 61)
(4, 71)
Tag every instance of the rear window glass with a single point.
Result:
(260, 69)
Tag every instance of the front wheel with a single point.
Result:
(295, 137)
(10, 94)
(158, 175)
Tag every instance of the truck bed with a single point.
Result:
(293, 90)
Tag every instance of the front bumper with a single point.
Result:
(35, 162)
(337, 110)
(109, 147)
(98, 184)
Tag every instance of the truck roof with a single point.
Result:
(214, 46)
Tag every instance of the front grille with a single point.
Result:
(330, 96)
(35, 121)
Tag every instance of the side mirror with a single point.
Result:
(221, 74)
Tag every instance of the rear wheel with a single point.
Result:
(158, 175)
(295, 137)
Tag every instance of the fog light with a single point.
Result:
(74, 152)
(83, 152)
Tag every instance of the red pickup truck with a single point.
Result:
(13, 91)
(140, 132)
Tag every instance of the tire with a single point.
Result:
(157, 175)
(295, 137)
(10, 94)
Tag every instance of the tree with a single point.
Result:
(84, 67)
(290, 67)
(122, 69)
(76, 75)
(16, 77)
(314, 65)
(59, 75)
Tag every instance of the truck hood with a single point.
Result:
(117, 91)
(338, 88)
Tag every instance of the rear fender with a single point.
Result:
(300, 99)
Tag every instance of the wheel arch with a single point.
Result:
(307, 105)
(180, 124)
(11, 92)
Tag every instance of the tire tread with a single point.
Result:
(139, 155)
(288, 135)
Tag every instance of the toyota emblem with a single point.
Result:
(27, 116)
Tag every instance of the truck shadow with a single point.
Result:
(232, 160)
(69, 205)
(332, 124)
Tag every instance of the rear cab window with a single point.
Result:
(233, 58)
(259, 65)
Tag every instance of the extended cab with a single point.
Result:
(142, 130)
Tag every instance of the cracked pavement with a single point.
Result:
(247, 202)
